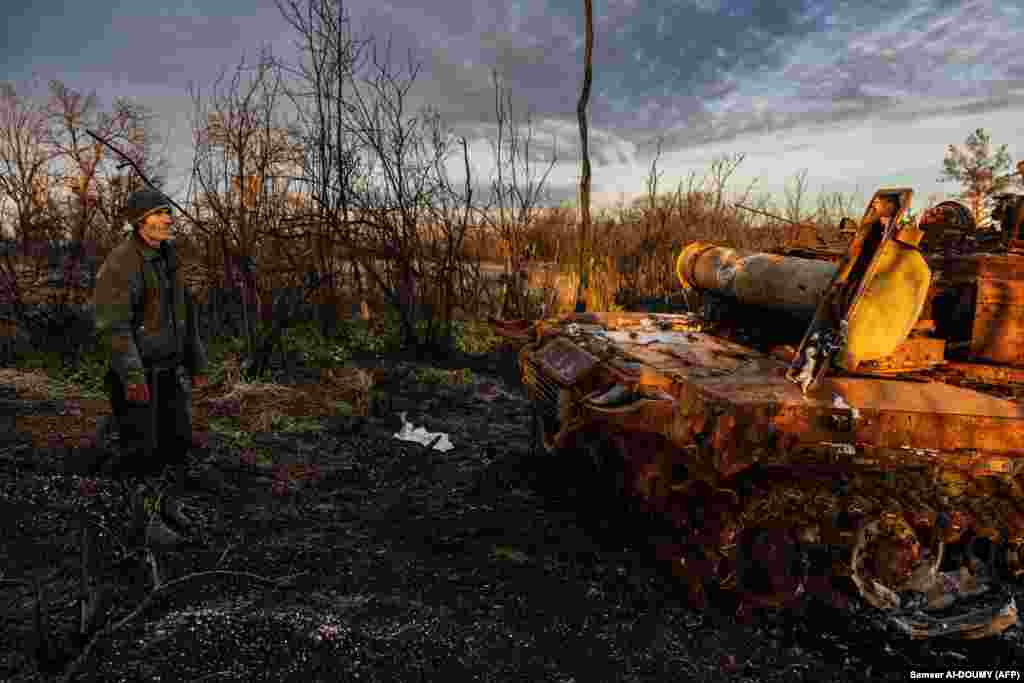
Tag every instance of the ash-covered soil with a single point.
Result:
(479, 563)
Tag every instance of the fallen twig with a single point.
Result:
(224, 554)
(158, 593)
(154, 568)
(44, 652)
(28, 583)
(103, 527)
(84, 593)
(15, 582)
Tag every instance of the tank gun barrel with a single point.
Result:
(795, 285)
(766, 213)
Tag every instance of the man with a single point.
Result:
(143, 318)
(883, 209)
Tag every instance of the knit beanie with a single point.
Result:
(142, 202)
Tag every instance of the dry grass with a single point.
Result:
(34, 384)
(355, 384)
(68, 429)
(632, 247)
(263, 405)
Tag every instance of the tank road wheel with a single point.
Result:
(888, 559)
(543, 427)
(593, 472)
(896, 575)
(770, 569)
(580, 461)
(700, 530)
(604, 454)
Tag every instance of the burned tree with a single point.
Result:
(581, 114)
(405, 155)
(516, 190)
(240, 148)
(331, 166)
(61, 187)
(376, 171)
(26, 156)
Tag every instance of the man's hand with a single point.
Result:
(137, 393)
(200, 381)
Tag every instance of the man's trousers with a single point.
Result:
(172, 421)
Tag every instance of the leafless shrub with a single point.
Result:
(516, 192)
(60, 189)
(634, 247)
(242, 155)
(382, 198)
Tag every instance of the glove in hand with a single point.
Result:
(137, 393)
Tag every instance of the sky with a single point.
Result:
(861, 94)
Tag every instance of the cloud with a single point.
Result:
(790, 82)
(697, 74)
(653, 60)
(900, 64)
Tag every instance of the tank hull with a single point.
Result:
(886, 479)
(862, 464)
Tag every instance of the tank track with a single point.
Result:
(933, 552)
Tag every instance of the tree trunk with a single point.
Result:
(581, 113)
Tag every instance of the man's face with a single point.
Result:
(885, 207)
(156, 227)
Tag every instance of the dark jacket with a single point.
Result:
(135, 317)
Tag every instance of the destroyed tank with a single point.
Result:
(836, 428)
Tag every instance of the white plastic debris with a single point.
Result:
(847, 449)
(806, 374)
(839, 404)
(421, 436)
(646, 338)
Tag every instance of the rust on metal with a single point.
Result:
(982, 623)
(874, 299)
(785, 282)
(735, 403)
(971, 267)
(916, 353)
(566, 361)
(888, 461)
(984, 372)
(999, 322)
(699, 371)
(990, 306)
